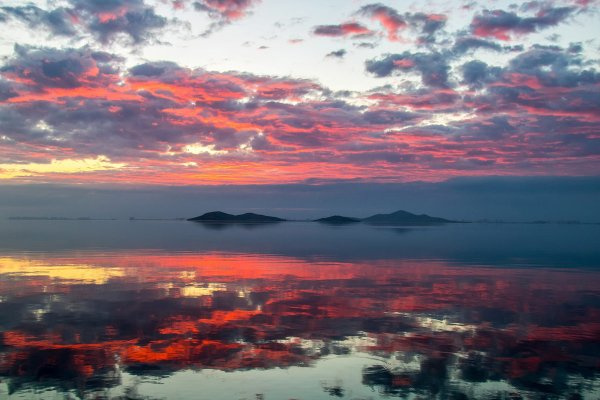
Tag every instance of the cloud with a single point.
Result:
(427, 99)
(366, 45)
(389, 18)
(543, 67)
(152, 69)
(477, 73)
(224, 12)
(42, 68)
(352, 29)
(567, 68)
(59, 21)
(502, 24)
(427, 24)
(433, 67)
(171, 124)
(337, 53)
(107, 21)
(226, 9)
(127, 21)
(6, 90)
(464, 44)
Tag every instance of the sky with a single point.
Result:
(139, 94)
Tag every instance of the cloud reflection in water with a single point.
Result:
(422, 327)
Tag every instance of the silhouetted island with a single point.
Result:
(221, 217)
(337, 219)
(402, 217)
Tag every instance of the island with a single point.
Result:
(221, 217)
(398, 218)
(337, 219)
(405, 218)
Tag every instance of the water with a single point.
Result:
(179, 310)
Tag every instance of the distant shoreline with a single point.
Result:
(90, 219)
(182, 219)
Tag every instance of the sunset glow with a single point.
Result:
(464, 91)
(316, 199)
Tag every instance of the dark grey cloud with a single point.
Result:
(107, 20)
(425, 25)
(223, 12)
(428, 25)
(433, 66)
(384, 13)
(388, 117)
(502, 24)
(152, 69)
(538, 68)
(366, 45)
(337, 53)
(575, 48)
(566, 69)
(65, 68)
(58, 21)
(477, 73)
(463, 44)
(495, 127)
(539, 57)
(529, 6)
(225, 9)
(6, 90)
(328, 30)
(132, 20)
(352, 29)
(128, 21)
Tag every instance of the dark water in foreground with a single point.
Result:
(177, 310)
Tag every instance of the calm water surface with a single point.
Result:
(179, 310)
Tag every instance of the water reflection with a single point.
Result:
(115, 324)
(490, 244)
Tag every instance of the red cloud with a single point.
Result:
(188, 323)
(227, 9)
(173, 125)
(347, 29)
(389, 18)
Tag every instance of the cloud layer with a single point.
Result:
(106, 21)
(448, 113)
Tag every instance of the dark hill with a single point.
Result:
(337, 219)
(405, 218)
(218, 216)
